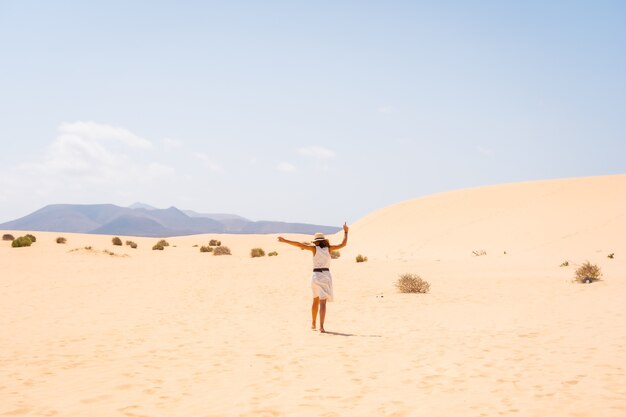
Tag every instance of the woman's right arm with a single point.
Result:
(296, 244)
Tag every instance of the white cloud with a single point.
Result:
(92, 131)
(208, 162)
(317, 152)
(286, 167)
(485, 151)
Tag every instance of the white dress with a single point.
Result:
(322, 281)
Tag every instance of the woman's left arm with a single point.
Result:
(345, 239)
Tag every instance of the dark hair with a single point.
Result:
(322, 243)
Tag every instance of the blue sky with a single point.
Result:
(318, 112)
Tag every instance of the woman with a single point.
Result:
(321, 281)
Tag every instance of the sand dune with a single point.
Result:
(181, 333)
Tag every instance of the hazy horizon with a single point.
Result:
(314, 113)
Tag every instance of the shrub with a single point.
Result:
(361, 258)
(412, 283)
(221, 250)
(273, 253)
(334, 254)
(611, 255)
(565, 263)
(206, 249)
(214, 242)
(8, 237)
(21, 242)
(117, 241)
(133, 245)
(194, 246)
(479, 252)
(588, 273)
(158, 246)
(257, 253)
(88, 248)
(32, 238)
(163, 242)
(61, 240)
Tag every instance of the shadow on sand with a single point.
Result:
(352, 334)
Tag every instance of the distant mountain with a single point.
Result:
(144, 220)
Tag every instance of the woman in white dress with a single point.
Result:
(321, 280)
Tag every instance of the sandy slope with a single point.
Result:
(180, 333)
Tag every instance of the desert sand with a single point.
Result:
(183, 333)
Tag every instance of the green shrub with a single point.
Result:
(158, 246)
(32, 238)
(273, 253)
(61, 240)
(8, 237)
(116, 241)
(21, 242)
(163, 242)
(206, 249)
(361, 258)
(257, 253)
(221, 250)
(587, 273)
(412, 283)
(334, 254)
(214, 242)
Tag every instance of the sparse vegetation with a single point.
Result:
(163, 243)
(257, 253)
(273, 253)
(88, 248)
(108, 252)
(132, 244)
(611, 255)
(412, 283)
(194, 246)
(8, 237)
(221, 250)
(31, 237)
(214, 242)
(21, 242)
(158, 246)
(565, 263)
(334, 254)
(206, 249)
(588, 273)
(361, 258)
(61, 240)
(116, 241)
(479, 252)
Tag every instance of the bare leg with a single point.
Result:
(322, 315)
(314, 308)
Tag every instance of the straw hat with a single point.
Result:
(318, 237)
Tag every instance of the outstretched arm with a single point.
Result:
(345, 239)
(296, 244)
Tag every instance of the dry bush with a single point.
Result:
(31, 237)
(22, 241)
(334, 254)
(479, 252)
(133, 245)
(206, 249)
(214, 242)
(221, 250)
(588, 273)
(273, 253)
(158, 246)
(610, 255)
(565, 263)
(116, 241)
(361, 258)
(8, 237)
(61, 240)
(163, 242)
(257, 253)
(412, 283)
